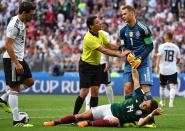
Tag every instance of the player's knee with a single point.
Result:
(95, 94)
(162, 85)
(113, 120)
(84, 92)
(94, 91)
(173, 86)
(14, 87)
(29, 82)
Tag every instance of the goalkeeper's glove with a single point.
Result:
(136, 63)
(130, 58)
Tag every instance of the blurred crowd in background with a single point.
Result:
(54, 37)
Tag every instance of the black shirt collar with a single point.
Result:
(93, 33)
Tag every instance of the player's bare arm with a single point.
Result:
(112, 53)
(135, 77)
(178, 61)
(143, 121)
(107, 66)
(112, 46)
(158, 62)
(2, 49)
(8, 46)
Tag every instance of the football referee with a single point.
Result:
(94, 43)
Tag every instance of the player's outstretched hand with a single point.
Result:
(157, 112)
(125, 52)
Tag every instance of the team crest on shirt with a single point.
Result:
(131, 34)
(138, 34)
(138, 112)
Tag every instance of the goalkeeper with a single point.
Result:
(137, 38)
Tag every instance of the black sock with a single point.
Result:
(78, 104)
(1, 100)
(94, 101)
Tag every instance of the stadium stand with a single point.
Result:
(58, 28)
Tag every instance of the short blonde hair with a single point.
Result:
(129, 8)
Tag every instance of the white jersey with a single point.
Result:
(103, 58)
(168, 52)
(16, 31)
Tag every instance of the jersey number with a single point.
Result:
(131, 40)
(169, 54)
(130, 108)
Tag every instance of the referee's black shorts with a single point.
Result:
(105, 76)
(11, 75)
(89, 74)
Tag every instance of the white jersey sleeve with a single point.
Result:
(103, 59)
(16, 31)
(12, 31)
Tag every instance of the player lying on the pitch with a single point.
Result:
(130, 110)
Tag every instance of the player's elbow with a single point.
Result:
(8, 43)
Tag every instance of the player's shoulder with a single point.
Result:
(176, 46)
(170, 45)
(14, 22)
(141, 23)
(143, 26)
(123, 26)
(162, 45)
(88, 38)
(88, 35)
(104, 33)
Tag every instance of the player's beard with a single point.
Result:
(27, 19)
(123, 20)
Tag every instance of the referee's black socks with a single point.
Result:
(78, 104)
(94, 101)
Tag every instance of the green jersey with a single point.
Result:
(128, 110)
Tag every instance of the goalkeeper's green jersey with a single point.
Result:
(128, 110)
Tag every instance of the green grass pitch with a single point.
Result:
(49, 107)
